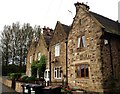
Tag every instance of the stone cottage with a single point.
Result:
(93, 51)
(58, 53)
(39, 47)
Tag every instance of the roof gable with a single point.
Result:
(60, 33)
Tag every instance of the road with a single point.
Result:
(7, 90)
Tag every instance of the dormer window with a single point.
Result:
(57, 49)
(81, 42)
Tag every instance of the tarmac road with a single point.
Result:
(7, 90)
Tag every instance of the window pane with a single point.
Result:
(48, 74)
(87, 71)
(57, 50)
(55, 73)
(82, 71)
(39, 56)
(78, 45)
(83, 41)
(78, 71)
(30, 59)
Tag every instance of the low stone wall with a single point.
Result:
(8, 83)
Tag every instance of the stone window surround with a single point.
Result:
(87, 62)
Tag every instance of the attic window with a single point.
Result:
(105, 41)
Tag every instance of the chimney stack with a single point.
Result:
(84, 6)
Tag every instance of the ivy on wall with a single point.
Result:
(40, 66)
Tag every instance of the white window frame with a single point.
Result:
(105, 41)
(81, 42)
(31, 59)
(57, 49)
(79, 39)
(39, 56)
(57, 72)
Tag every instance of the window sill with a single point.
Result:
(80, 49)
(84, 78)
(57, 78)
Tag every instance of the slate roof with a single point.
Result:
(66, 28)
(109, 25)
(47, 34)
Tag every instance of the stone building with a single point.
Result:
(39, 47)
(90, 60)
(93, 51)
(58, 52)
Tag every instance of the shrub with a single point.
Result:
(23, 78)
(32, 78)
(15, 76)
(12, 69)
(34, 68)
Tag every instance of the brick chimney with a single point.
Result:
(81, 5)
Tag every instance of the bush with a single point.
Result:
(23, 78)
(15, 76)
(30, 79)
(12, 69)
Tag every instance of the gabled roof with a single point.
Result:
(66, 28)
(109, 25)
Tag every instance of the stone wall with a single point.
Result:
(85, 24)
(58, 37)
(96, 54)
(35, 48)
(111, 62)
(8, 83)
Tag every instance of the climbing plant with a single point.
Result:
(41, 65)
(34, 68)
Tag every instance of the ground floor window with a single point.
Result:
(57, 73)
(82, 70)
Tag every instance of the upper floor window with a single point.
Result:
(81, 42)
(30, 59)
(82, 70)
(57, 49)
(57, 73)
(39, 56)
(105, 41)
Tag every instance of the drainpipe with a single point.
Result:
(50, 65)
(111, 59)
(66, 41)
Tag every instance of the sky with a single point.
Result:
(48, 12)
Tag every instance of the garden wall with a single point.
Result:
(8, 83)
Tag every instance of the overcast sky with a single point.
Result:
(48, 12)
